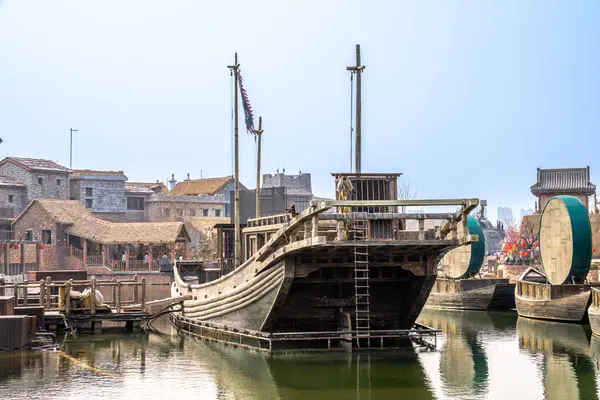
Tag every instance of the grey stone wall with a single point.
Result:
(18, 194)
(301, 181)
(49, 189)
(108, 195)
(178, 210)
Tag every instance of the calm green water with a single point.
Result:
(480, 355)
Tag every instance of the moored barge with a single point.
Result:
(560, 292)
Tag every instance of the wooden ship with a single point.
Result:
(461, 287)
(594, 311)
(342, 269)
(560, 291)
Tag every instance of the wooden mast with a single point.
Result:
(358, 69)
(237, 247)
(258, 132)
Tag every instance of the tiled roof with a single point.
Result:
(566, 180)
(82, 223)
(154, 186)
(134, 188)
(36, 164)
(202, 186)
(200, 224)
(96, 172)
(6, 181)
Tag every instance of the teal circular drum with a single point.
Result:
(565, 240)
(466, 261)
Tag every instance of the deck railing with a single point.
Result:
(95, 260)
(53, 296)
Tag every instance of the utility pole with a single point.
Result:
(358, 69)
(236, 205)
(259, 135)
(71, 148)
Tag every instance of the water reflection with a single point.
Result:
(562, 352)
(480, 355)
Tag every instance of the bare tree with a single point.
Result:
(406, 192)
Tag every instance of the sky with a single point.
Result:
(464, 98)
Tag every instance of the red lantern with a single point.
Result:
(536, 243)
(523, 244)
(522, 253)
(593, 250)
(506, 247)
(41, 245)
(527, 254)
(16, 245)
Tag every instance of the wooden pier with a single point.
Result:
(73, 303)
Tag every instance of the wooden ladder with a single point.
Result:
(362, 297)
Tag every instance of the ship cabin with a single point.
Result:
(366, 208)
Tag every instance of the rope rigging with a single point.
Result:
(351, 115)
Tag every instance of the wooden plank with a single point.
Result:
(466, 203)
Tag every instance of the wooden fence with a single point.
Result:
(53, 295)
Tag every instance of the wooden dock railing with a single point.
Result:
(53, 296)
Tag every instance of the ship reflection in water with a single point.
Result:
(480, 355)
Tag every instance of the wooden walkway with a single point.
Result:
(73, 304)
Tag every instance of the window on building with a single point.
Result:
(179, 212)
(29, 236)
(192, 212)
(58, 182)
(89, 203)
(205, 212)
(47, 236)
(11, 198)
(167, 212)
(135, 203)
(89, 192)
(217, 213)
(41, 180)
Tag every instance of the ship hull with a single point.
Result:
(310, 288)
(472, 294)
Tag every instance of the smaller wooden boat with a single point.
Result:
(559, 292)
(461, 288)
(594, 311)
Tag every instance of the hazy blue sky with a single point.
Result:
(465, 98)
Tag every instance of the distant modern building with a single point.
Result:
(567, 181)
(505, 214)
(525, 212)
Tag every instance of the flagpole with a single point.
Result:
(236, 198)
(358, 69)
(259, 135)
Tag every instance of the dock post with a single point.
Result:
(43, 294)
(6, 257)
(2, 283)
(25, 300)
(48, 292)
(136, 297)
(118, 297)
(68, 296)
(114, 291)
(93, 303)
(143, 299)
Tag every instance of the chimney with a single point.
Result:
(188, 177)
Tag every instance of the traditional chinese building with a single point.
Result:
(79, 239)
(565, 181)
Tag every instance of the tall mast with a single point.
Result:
(358, 69)
(259, 135)
(236, 205)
